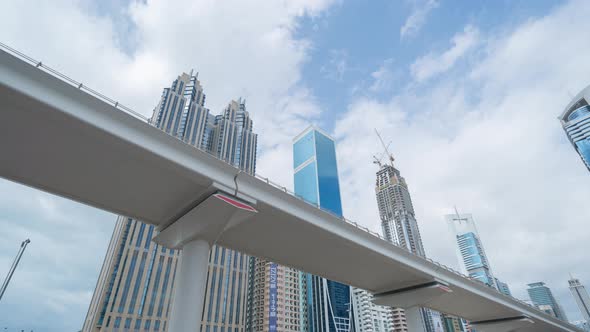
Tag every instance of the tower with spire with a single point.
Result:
(398, 221)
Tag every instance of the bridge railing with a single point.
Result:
(43, 67)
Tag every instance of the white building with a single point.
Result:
(581, 295)
(370, 317)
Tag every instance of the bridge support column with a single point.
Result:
(189, 292)
(412, 299)
(194, 233)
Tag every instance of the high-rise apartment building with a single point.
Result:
(453, 324)
(136, 282)
(400, 227)
(470, 252)
(368, 316)
(276, 298)
(328, 303)
(581, 295)
(575, 120)
(543, 299)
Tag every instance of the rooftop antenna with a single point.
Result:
(23, 246)
(386, 151)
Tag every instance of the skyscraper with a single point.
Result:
(543, 299)
(470, 252)
(275, 299)
(328, 303)
(503, 287)
(136, 282)
(400, 227)
(581, 295)
(575, 120)
(453, 324)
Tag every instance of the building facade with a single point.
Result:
(370, 317)
(581, 296)
(575, 120)
(503, 287)
(542, 298)
(136, 282)
(276, 293)
(328, 303)
(453, 324)
(398, 221)
(470, 252)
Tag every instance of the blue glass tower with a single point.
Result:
(543, 298)
(472, 257)
(328, 303)
(575, 120)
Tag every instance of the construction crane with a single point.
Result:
(377, 160)
(23, 246)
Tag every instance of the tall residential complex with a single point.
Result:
(470, 252)
(136, 281)
(575, 120)
(328, 303)
(582, 299)
(453, 324)
(543, 299)
(275, 299)
(368, 316)
(400, 227)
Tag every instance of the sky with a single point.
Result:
(467, 92)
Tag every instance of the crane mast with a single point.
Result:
(23, 246)
(385, 149)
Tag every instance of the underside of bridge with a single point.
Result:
(62, 140)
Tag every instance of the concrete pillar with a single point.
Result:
(189, 291)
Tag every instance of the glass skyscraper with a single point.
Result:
(470, 252)
(328, 303)
(542, 298)
(575, 120)
(135, 286)
(581, 296)
(400, 227)
(503, 287)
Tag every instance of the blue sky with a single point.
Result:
(354, 38)
(467, 92)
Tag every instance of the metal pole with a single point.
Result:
(23, 246)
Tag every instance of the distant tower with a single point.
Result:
(503, 287)
(575, 120)
(470, 252)
(399, 224)
(581, 295)
(543, 299)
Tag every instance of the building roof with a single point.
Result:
(585, 93)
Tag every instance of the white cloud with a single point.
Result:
(337, 65)
(246, 49)
(433, 64)
(414, 22)
(487, 140)
(383, 77)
